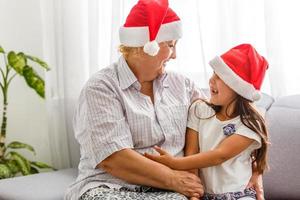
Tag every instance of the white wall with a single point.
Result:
(21, 30)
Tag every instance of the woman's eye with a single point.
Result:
(171, 45)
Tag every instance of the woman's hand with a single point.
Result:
(187, 184)
(182, 182)
(257, 184)
(163, 157)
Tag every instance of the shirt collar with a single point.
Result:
(164, 79)
(126, 76)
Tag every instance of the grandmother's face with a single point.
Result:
(155, 65)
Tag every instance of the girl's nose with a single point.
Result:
(173, 54)
(210, 81)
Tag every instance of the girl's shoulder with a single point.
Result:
(201, 109)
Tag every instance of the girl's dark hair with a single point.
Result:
(254, 121)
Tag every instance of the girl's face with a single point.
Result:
(153, 66)
(221, 94)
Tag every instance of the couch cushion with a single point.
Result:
(45, 186)
(283, 120)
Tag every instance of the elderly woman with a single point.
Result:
(129, 107)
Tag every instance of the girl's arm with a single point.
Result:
(191, 148)
(256, 182)
(191, 145)
(227, 149)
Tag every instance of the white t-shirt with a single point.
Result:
(234, 174)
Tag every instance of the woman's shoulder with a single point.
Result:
(176, 76)
(178, 80)
(103, 76)
(103, 81)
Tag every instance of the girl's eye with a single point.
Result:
(171, 45)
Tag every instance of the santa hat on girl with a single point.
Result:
(242, 69)
(148, 23)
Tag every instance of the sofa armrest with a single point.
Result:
(46, 186)
(283, 121)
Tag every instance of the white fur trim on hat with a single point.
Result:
(139, 36)
(256, 95)
(151, 48)
(234, 81)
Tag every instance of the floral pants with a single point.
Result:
(247, 194)
(142, 193)
(147, 193)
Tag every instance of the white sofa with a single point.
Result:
(281, 182)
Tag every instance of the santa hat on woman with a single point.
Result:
(242, 69)
(148, 23)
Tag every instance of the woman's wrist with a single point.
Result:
(185, 183)
(169, 179)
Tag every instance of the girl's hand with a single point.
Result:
(194, 198)
(256, 183)
(163, 157)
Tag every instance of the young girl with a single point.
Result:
(228, 131)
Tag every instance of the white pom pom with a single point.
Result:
(256, 96)
(151, 48)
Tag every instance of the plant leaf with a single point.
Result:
(39, 61)
(17, 61)
(41, 165)
(22, 162)
(5, 171)
(13, 166)
(34, 80)
(33, 170)
(1, 50)
(19, 145)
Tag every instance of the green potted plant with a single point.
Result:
(13, 163)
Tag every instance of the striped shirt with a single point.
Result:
(112, 114)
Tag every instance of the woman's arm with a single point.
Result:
(227, 149)
(134, 168)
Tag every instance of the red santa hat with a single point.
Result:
(242, 69)
(148, 23)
